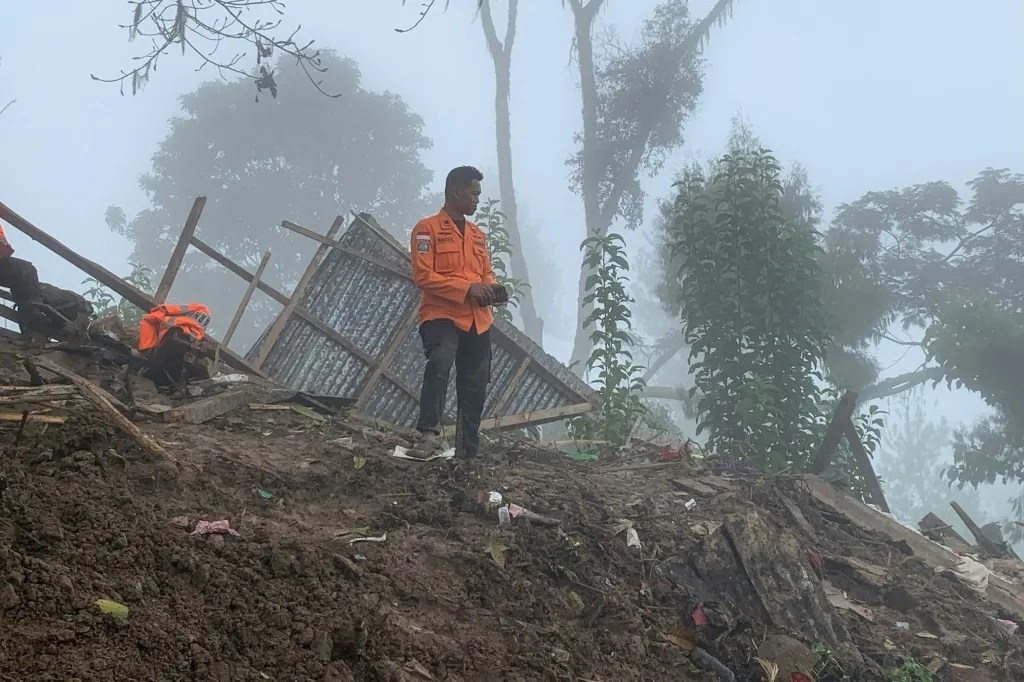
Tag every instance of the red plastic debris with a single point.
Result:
(800, 677)
(698, 616)
(669, 455)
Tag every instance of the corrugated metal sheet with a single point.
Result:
(372, 308)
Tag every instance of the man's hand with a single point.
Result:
(500, 294)
(481, 293)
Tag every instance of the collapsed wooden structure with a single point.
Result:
(317, 346)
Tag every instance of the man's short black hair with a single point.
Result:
(460, 178)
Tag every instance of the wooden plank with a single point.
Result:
(867, 573)
(178, 255)
(693, 487)
(95, 395)
(983, 540)
(389, 353)
(32, 418)
(940, 531)
(834, 432)
(246, 297)
(205, 409)
(1000, 591)
(286, 313)
(860, 454)
(513, 384)
(552, 414)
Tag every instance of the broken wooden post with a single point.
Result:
(178, 255)
(936, 529)
(282, 318)
(860, 453)
(99, 399)
(834, 433)
(246, 297)
(983, 540)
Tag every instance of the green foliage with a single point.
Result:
(610, 364)
(909, 671)
(499, 245)
(828, 667)
(125, 311)
(751, 303)
(305, 158)
(980, 346)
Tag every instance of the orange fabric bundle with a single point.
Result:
(192, 319)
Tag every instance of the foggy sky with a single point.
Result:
(868, 95)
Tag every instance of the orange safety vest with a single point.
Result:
(444, 263)
(5, 247)
(192, 319)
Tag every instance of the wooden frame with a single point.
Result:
(841, 425)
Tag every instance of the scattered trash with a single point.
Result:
(182, 522)
(113, 608)
(230, 379)
(494, 498)
(359, 557)
(632, 538)
(497, 552)
(403, 453)
(343, 442)
(927, 635)
(698, 616)
(504, 519)
(903, 625)
(308, 412)
(209, 527)
(515, 511)
(973, 573)
(358, 461)
(1008, 625)
(690, 504)
(380, 538)
(838, 599)
(266, 495)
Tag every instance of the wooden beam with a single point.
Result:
(286, 313)
(860, 454)
(834, 432)
(356, 253)
(552, 414)
(98, 397)
(935, 528)
(983, 540)
(135, 296)
(513, 384)
(91, 268)
(381, 365)
(178, 255)
(234, 267)
(32, 417)
(246, 297)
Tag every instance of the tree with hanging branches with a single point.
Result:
(222, 34)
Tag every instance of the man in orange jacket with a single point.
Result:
(452, 269)
(21, 278)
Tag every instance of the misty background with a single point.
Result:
(865, 96)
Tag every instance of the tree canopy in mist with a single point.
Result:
(305, 158)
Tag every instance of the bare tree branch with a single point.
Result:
(202, 27)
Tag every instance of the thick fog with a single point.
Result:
(865, 96)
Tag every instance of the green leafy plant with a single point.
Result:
(492, 221)
(828, 667)
(909, 671)
(141, 277)
(750, 285)
(618, 378)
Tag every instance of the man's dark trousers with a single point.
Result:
(445, 345)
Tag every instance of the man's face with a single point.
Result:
(467, 198)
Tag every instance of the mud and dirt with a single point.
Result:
(447, 595)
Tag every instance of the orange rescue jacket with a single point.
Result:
(192, 319)
(444, 263)
(5, 247)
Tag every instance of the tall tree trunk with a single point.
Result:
(501, 55)
(583, 16)
(600, 218)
